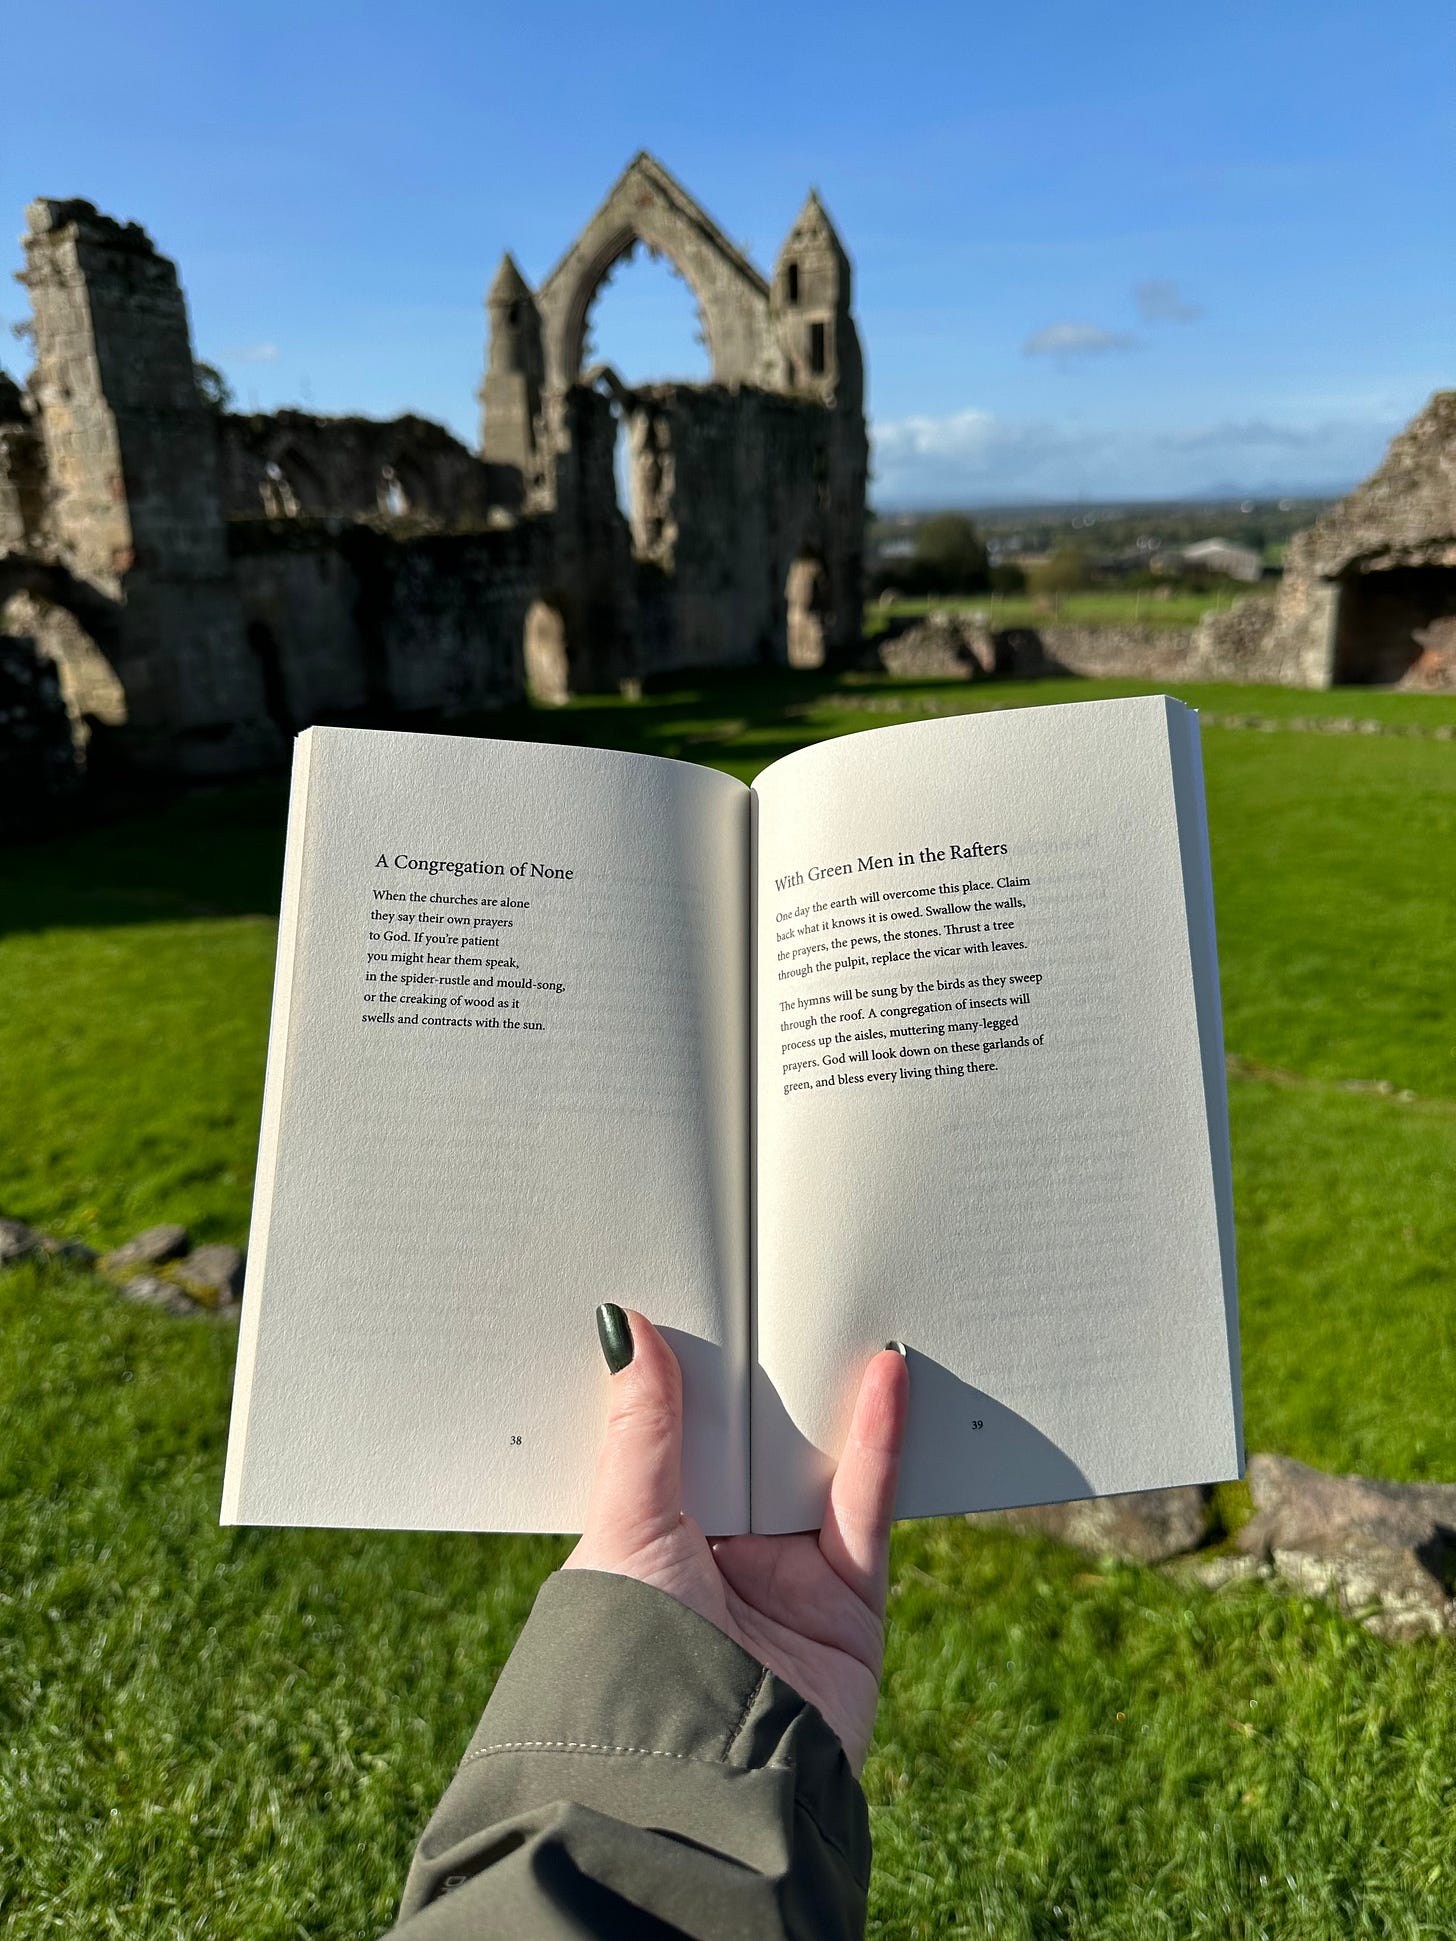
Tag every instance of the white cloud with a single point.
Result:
(1076, 340)
(975, 456)
(1159, 301)
(250, 354)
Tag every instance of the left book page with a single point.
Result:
(507, 1080)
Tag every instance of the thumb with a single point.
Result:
(637, 1493)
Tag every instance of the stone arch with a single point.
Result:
(649, 207)
(74, 624)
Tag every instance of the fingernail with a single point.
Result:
(614, 1331)
(898, 1348)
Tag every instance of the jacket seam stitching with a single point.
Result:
(801, 1805)
(742, 1720)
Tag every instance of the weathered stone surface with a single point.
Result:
(148, 1249)
(147, 1290)
(212, 1275)
(1364, 585)
(1217, 1573)
(17, 1241)
(942, 646)
(1147, 1526)
(1385, 1551)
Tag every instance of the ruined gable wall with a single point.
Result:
(647, 206)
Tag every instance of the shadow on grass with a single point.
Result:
(217, 850)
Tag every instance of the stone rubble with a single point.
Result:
(1383, 1552)
(156, 1268)
(1147, 1526)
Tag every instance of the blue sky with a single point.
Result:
(1101, 250)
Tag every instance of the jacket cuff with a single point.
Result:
(622, 1701)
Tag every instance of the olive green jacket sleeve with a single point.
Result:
(637, 1773)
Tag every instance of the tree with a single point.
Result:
(950, 556)
(215, 389)
(1065, 571)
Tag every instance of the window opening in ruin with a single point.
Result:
(807, 600)
(792, 279)
(266, 653)
(548, 678)
(290, 487)
(816, 349)
(645, 322)
(90, 685)
(393, 499)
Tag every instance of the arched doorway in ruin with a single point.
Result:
(807, 610)
(268, 657)
(75, 626)
(548, 672)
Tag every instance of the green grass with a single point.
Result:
(219, 1733)
(1097, 607)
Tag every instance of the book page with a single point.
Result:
(507, 1081)
(990, 1111)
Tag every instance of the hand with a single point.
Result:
(811, 1607)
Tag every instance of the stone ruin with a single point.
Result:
(204, 584)
(1369, 593)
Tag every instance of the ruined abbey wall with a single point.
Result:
(204, 584)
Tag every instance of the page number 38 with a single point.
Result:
(515, 1442)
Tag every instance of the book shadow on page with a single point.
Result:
(964, 1450)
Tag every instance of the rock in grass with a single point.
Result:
(17, 1241)
(149, 1249)
(212, 1275)
(148, 1291)
(74, 1251)
(1386, 1552)
(1147, 1526)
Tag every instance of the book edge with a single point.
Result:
(1190, 808)
(269, 1128)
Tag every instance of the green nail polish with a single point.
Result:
(898, 1347)
(614, 1331)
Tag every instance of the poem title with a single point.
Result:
(953, 852)
(438, 866)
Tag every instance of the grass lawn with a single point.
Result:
(217, 1733)
(1104, 606)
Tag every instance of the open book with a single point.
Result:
(917, 1038)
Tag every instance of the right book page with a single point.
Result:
(990, 1114)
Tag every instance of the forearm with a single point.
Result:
(634, 1762)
